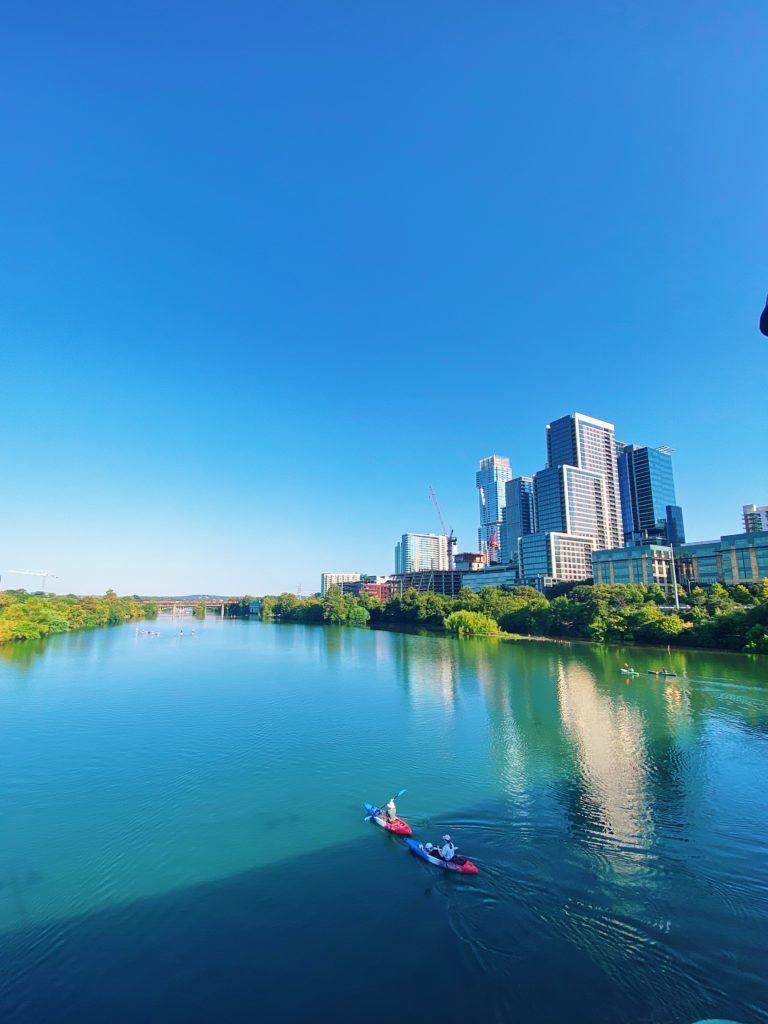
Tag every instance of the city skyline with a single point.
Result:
(268, 275)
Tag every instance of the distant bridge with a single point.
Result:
(177, 606)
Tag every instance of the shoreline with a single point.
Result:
(522, 638)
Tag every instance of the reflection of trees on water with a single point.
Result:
(22, 654)
(88, 644)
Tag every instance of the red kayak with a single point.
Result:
(398, 826)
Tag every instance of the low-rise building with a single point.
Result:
(558, 557)
(494, 576)
(648, 564)
(733, 559)
(470, 561)
(374, 586)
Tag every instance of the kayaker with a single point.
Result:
(391, 811)
(448, 850)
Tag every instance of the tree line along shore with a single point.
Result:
(26, 616)
(732, 619)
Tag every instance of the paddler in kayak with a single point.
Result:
(445, 852)
(390, 811)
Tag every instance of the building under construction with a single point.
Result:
(433, 581)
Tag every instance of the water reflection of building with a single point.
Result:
(678, 706)
(428, 668)
(525, 741)
(609, 739)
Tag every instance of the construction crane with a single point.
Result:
(44, 574)
(493, 545)
(451, 537)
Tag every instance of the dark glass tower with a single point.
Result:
(518, 518)
(649, 508)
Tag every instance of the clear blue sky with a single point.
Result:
(269, 270)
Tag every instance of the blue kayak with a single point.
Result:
(459, 864)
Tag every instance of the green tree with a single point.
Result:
(358, 616)
(757, 640)
(467, 623)
(335, 610)
(717, 599)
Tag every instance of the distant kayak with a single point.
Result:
(662, 672)
(398, 826)
(629, 672)
(461, 865)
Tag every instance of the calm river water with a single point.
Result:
(183, 835)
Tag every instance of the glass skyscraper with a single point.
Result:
(589, 444)
(572, 500)
(421, 552)
(491, 479)
(517, 516)
(549, 500)
(650, 512)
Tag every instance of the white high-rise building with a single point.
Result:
(491, 480)
(755, 518)
(589, 444)
(420, 552)
(335, 579)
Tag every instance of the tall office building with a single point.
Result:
(755, 518)
(517, 517)
(421, 552)
(585, 443)
(572, 500)
(491, 479)
(577, 508)
(649, 508)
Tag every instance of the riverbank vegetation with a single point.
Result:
(734, 619)
(26, 616)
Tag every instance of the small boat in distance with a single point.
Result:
(662, 672)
